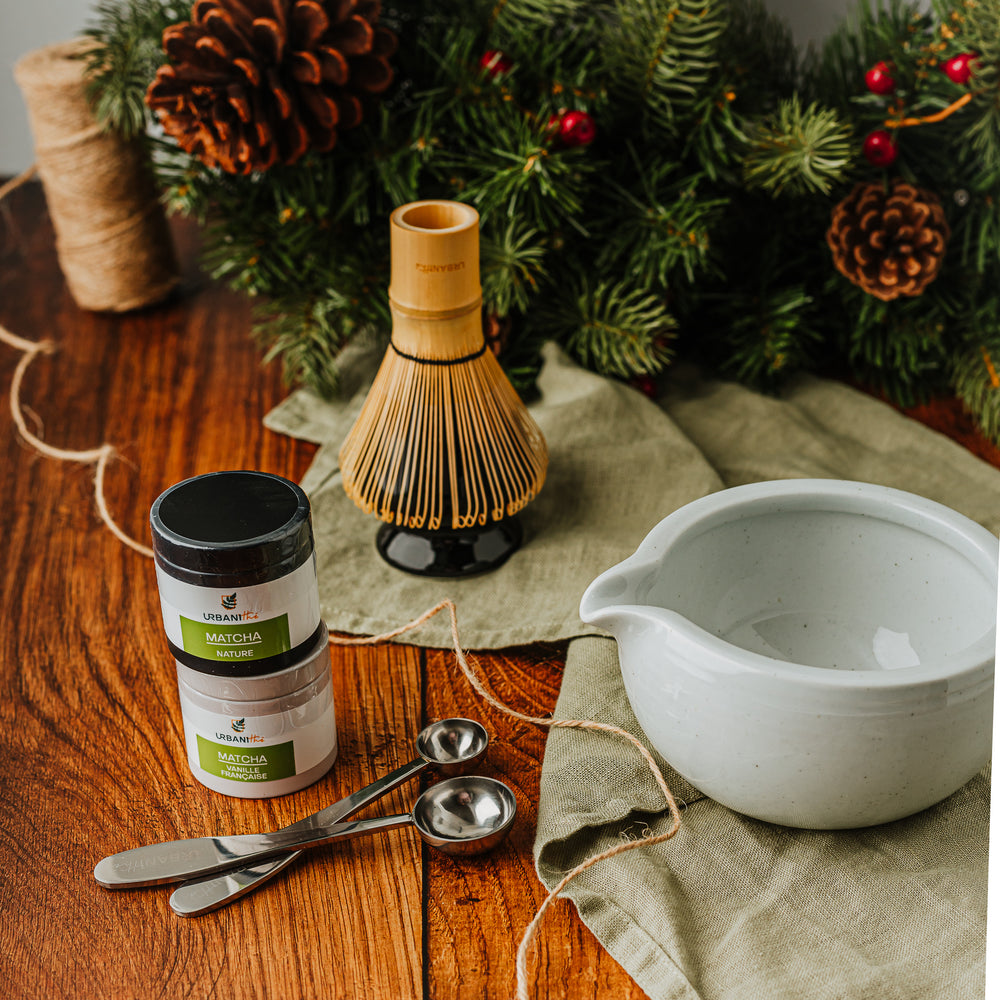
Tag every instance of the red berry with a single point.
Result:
(879, 79)
(495, 63)
(646, 384)
(576, 128)
(958, 68)
(880, 148)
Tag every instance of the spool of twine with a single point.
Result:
(112, 238)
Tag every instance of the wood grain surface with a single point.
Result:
(92, 744)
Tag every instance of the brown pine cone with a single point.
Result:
(889, 242)
(253, 83)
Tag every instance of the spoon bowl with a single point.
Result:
(451, 745)
(463, 816)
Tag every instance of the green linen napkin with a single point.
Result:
(731, 908)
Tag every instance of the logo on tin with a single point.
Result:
(229, 601)
(239, 725)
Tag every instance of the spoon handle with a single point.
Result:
(206, 894)
(181, 859)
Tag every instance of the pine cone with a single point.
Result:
(252, 83)
(890, 243)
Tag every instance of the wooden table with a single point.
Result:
(93, 760)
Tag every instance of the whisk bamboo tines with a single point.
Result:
(444, 450)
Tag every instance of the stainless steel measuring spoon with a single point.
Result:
(448, 746)
(460, 816)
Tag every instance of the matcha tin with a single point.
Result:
(236, 571)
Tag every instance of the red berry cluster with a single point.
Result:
(880, 148)
(568, 129)
(496, 63)
(646, 384)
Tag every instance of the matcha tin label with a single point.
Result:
(251, 641)
(243, 624)
(247, 763)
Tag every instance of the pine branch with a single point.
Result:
(798, 151)
(758, 56)
(715, 134)
(835, 71)
(661, 53)
(516, 15)
(127, 52)
(662, 225)
(508, 166)
(601, 247)
(308, 336)
(900, 348)
(976, 227)
(512, 266)
(975, 27)
(614, 329)
(976, 381)
(770, 337)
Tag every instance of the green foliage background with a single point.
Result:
(694, 223)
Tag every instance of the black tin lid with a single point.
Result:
(235, 528)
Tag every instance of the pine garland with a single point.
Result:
(693, 223)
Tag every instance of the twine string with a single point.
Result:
(30, 350)
(100, 457)
(16, 182)
(472, 676)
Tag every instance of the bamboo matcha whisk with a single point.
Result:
(444, 450)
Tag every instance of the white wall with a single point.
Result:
(23, 27)
(29, 25)
(811, 20)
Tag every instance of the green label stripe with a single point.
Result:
(242, 641)
(247, 763)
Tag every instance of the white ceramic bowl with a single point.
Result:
(810, 652)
